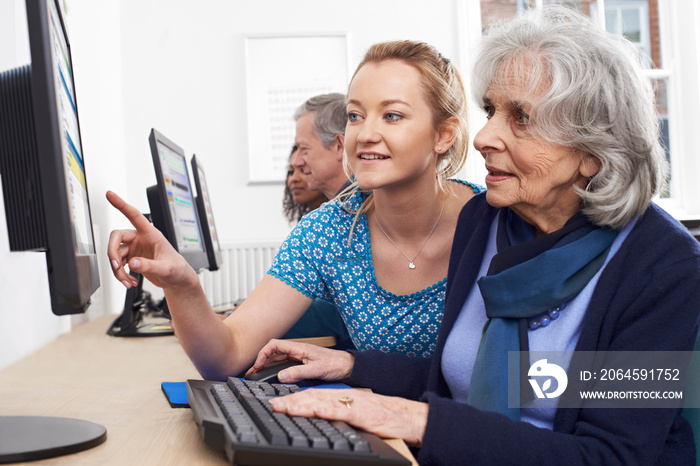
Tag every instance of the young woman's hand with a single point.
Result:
(146, 251)
(318, 362)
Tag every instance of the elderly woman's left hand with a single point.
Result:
(385, 416)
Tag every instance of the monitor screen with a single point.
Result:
(47, 207)
(69, 132)
(43, 168)
(172, 201)
(206, 215)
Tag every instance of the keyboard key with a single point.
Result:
(319, 442)
(340, 444)
(248, 437)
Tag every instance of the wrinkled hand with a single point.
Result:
(145, 250)
(385, 416)
(319, 363)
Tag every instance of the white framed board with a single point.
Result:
(282, 71)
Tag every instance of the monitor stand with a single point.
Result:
(136, 305)
(29, 438)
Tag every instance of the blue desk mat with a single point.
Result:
(176, 392)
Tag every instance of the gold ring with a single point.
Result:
(346, 400)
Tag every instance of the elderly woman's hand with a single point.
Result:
(146, 251)
(385, 416)
(318, 363)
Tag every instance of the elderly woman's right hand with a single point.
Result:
(145, 250)
(318, 362)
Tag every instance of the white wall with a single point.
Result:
(179, 66)
(184, 74)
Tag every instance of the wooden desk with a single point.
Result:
(115, 382)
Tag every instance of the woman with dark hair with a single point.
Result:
(298, 199)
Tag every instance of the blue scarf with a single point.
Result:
(526, 277)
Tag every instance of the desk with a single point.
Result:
(115, 382)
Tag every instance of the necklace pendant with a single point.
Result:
(411, 265)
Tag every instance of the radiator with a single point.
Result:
(244, 264)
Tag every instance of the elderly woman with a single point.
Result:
(564, 252)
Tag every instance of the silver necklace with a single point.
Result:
(411, 265)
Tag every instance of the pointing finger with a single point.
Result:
(130, 212)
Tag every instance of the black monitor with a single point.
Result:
(206, 215)
(693, 227)
(172, 201)
(47, 206)
(173, 212)
(43, 171)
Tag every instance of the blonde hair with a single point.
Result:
(444, 91)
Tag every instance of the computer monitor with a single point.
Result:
(693, 227)
(172, 201)
(47, 206)
(206, 215)
(173, 212)
(43, 171)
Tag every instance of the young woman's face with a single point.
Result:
(390, 138)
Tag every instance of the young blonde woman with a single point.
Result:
(380, 253)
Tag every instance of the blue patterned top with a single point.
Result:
(317, 260)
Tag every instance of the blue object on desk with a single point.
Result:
(176, 392)
(336, 385)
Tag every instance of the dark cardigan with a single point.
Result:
(647, 299)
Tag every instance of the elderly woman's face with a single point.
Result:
(533, 177)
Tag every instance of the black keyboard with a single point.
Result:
(237, 418)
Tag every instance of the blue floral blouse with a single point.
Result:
(317, 260)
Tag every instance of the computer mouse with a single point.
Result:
(269, 372)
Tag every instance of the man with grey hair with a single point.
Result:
(320, 136)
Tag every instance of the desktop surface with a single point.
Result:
(115, 382)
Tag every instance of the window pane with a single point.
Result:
(493, 10)
(661, 93)
(638, 21)
(631, 25)
(612, 21)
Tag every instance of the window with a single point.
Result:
(630, 18)
(638, 21)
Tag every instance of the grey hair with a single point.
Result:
(331, 115)
(596, 101)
